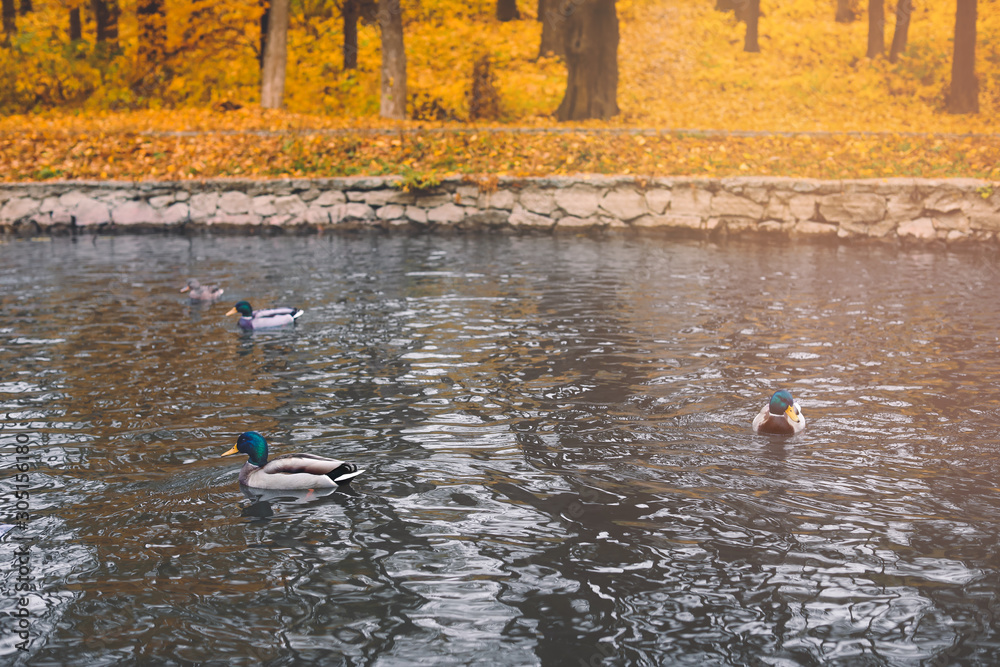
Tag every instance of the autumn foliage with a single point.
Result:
(84, 109)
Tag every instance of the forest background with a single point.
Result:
(481, 100)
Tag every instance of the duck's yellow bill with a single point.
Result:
(790, 412)
(232, 451)
(232, 311)
(185, 288)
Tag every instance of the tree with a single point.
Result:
(876, 28)
(152, 49)
(550, 13)
(750, 43)
(9, 19)
(75, 27)
(507, 10)
(591, 61)
(272, 76)
(265, 12)
(106, 20)
(963, 96)
(390, 19)
(845, 13)
(26, 7)
(899, 36)
(352, 11)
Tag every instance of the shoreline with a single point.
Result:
(888, 209)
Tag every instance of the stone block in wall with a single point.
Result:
(522, 218)
(948, 221)
(537, 201)
(429, 201)
(290, 205)
(416, 214)
(738, 223)
(446, 214)
(317, 215)
(727, 204)
(802, 207)
(235, 202)
(502, 199)
(921, 228)
(203, 206)
(329, 198)
(668, 220)
(390, 212)
(175, 214)
(18, 208)
(580, 201)
(351, 212)
(624, 204)
(691, 201)
(878, 229)
(989, 222)
(136, 212)
(87, 211)
(904, 206)
(263, 205)
(573, 222)
(860, 207)
(813, 228)
(373, 198)
(490, 218)
(467, 194)
(235, 219)
(657, 200)
(161, 202)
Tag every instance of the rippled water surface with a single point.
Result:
(560, 469)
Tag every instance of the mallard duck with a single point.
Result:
(289, 471)
(780, 416)
(198, 292)
(264, 319)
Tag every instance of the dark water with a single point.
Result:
(560, 469)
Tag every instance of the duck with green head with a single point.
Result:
(288, 471)
(264, 319)
(781, 416)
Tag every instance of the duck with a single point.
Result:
(264, 319)
(288, 471)
(781, 415)
(198, 292)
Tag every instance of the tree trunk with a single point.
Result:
(106, 20)
(507, 10)
(390, 19)
(750, 44)
(899, 36)
(272, 84)
(553, 18)
(152, 43)
(9, 19)
(263, 33)
(876, 28)
(75, 27)
(26, 7)
(592, 61)
(964, 94)
(844, 12)
(350, 12)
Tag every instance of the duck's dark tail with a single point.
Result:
(345, 473)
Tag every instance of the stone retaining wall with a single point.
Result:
(922, 209)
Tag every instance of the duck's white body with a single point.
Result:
(297, 471)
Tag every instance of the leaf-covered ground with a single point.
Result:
(693, 103)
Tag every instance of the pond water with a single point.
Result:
(556, 437)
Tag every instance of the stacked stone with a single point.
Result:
(948, 210)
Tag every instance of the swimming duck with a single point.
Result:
(289, 471)
(264, 319)
(780, 416)
(198, 292)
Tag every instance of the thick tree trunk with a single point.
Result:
(844, 12)
(351, 11)
(904, 8)
(272, 78)
(263, 33)
(75, 27)
(507, 10)
(553, 18)
(751, 44)
(964, 94)
(9, 19)
(592, 61)
(876, 28)
(390, 19)
(152, 49)
(26, 7)
(106, 20)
